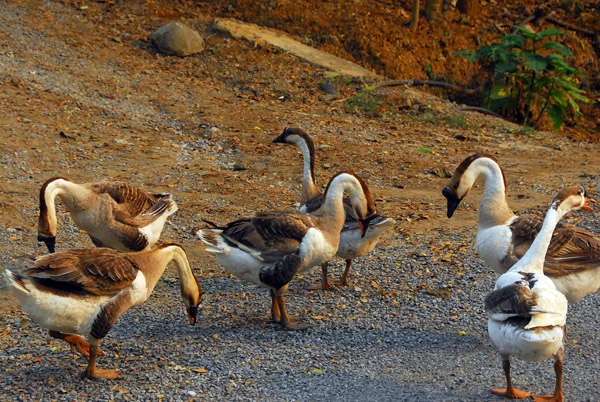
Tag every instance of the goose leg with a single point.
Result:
(275, 313)
(510, 391)
(558, 388)
(285, 319)
(344, 279)
(325, 285)
(75, 341)
(93, 373)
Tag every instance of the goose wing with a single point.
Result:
(571, 249)
(100, 271)
(133, 206)
(271, 234)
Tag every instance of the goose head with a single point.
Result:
(293, 135)
(47, 224)
(363, 206)
(192, 297)
(463, 178)
(572, 198)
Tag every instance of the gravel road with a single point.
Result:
(409, 327)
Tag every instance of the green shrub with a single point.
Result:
(528, 77)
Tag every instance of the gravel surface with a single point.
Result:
(85, 97)
(410, 327)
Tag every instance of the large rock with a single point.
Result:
(177, 39)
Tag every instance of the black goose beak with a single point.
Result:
(50, 242)
(279, 139)
(192, 312)
(453, 201)
(364, 224)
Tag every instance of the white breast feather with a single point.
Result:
(493, 245)
(314, 249)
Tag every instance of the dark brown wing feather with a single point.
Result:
(571, 249)
(516, 300)
(100, 271)
(273, 234)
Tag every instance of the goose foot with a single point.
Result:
(295, 325)
(512, 393)
(76, 342)
(93, 373)
(285, 321)
(324, 285)
(548, 398)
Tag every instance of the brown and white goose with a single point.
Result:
(527, 315)
(85, 291)
(573, 257)
(272, 247)
(114, 214)
(352, 243)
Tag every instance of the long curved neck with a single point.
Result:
(333, 203)
(493, 208)
(47, 222)
(533, 260)
(160, 258)
(309, 185)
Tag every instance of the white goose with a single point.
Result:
(85, 291)
(272, 247)
(573, 257)
(352, 243)
(114, 214)
(527, 315)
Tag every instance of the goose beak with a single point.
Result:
(50, 242)
(586, 206)
(192, 311)
(453, 201)
(364, 224)
(279, 139)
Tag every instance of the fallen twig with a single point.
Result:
(572, 26)
(481, 110)
(413, 82)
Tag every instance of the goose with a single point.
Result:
(352, 244)
(114, 214)
(573, 257)
(84, 291)
(526, 314)
(270, 248)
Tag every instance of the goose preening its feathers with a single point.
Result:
(85, 291)
(352, 243)
(527, 315)
(272, 247)
(114, 214)
(573, 257)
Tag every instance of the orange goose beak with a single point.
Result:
(586, 206)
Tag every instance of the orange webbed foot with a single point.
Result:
(80, 344)
(548, 398)
(100, 374)
(323, 286)
(512, 393)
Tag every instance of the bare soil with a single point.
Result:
(84, 95)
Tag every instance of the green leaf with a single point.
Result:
(550, 32)
(555, 114)
(509, 67)
(559, 47)
(535, 62)
(424, 150)
(526, 32)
